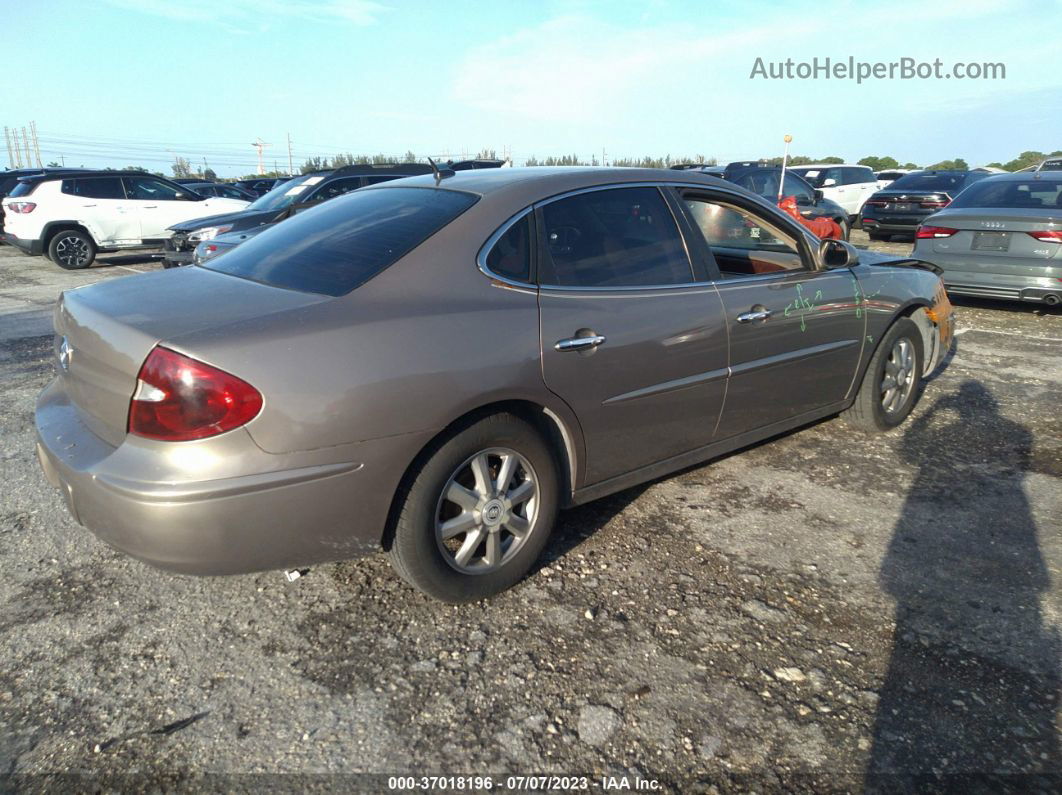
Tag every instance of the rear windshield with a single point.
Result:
(948, 183)
(341, 244)
(1030, 194)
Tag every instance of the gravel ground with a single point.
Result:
(827, 611)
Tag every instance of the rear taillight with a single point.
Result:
(1048, 235)
(22, 207)
(934, 232)
(179, 399)
(934, 204)
(877, 202)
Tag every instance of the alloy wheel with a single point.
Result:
(72, 251)
(486, 510)
(899, 377)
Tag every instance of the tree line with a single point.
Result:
(182, 167)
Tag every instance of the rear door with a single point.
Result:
(796, 333)
(101, 205)
(632, 339)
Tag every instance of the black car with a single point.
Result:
(763, 180)
(9, 179)
(901, 207)
(260, 186)
(468, 165)
(223, 189)
(282, 202)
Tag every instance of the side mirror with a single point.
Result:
(835, 253)
(819, 196)
(829, 183)
(804, 201)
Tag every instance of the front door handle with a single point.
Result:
(579, 343)
(151, 207)
(753, 316)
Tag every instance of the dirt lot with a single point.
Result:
(800, 616)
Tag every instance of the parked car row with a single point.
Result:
(70, 216)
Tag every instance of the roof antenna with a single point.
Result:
(440, 174)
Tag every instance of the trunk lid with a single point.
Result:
(997, 240)
(105, 331)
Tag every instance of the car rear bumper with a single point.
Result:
(228, 525)
(34, 247)
(988, 277)
(892, 226)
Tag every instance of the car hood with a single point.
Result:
(241, 236)
(880, 258)
(242, 217)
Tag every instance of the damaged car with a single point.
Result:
(435, 366)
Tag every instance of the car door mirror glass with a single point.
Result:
(818, 195)
(835, 253)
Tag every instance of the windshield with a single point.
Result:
(1030, 194)
(343, 243)
(947, 183)
(813, 175)
(285, 193)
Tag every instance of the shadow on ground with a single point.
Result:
(972, 686)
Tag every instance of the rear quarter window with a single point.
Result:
(22, 189)
(337, 246)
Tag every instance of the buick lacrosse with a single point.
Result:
(434, 366)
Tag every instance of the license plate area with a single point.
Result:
(991, 241)
(901, 207)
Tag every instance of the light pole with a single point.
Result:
(785, 161)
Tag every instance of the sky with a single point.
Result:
(139, 82)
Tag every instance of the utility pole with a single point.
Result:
(291, 167)
(36, 144)
(11, 159)
(26, 147)
(259, 144)
(603, 163)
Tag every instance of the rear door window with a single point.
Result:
(341, 245)
(94, 187)
(623, 237)
(336, 187)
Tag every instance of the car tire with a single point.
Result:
(71, 249)
(878, 238)
(879, 407)
(459, 535)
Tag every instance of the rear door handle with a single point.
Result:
(88, 205)
(151, 207)
(579, 343)
(752, 317)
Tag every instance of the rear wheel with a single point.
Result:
(72, 249)
(478, 511)
(890, 385)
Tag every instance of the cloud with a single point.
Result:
(577, 68)
(241, 14)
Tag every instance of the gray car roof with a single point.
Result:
(548, 179)
(1025, 176)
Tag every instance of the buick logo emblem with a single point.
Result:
(66, 353)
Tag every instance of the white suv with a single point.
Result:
(69, 217)
(845, 184)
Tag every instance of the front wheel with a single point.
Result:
(72, 249)
(890, 385)
(476, 514)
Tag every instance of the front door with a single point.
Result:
(631, 339)
(796, 333)
(158, 205)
